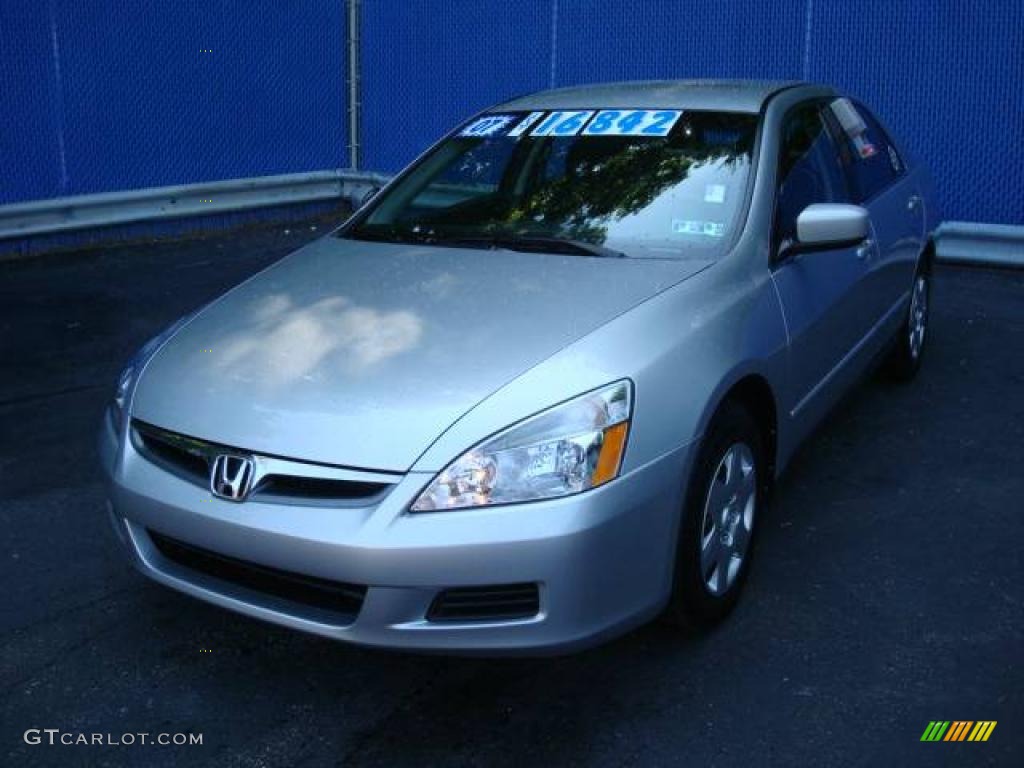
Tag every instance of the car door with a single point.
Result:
(821, 292)
(878, 181)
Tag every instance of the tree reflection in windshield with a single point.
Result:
(643, 196)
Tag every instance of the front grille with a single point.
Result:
(294, 487)
(184, 456)
(190, 459)
(503, 602)
(335, 597)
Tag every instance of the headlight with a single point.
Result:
(570, 448)
(126, 381)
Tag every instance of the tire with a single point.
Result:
(905, 358)
(725, 499)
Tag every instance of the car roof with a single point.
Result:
(724, 95)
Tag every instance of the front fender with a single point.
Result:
(683, 349)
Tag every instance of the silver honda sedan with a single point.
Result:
(538, 389)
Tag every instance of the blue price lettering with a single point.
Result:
(661, 123)
(562, 124)
(635, 122)
(603, 122)
(486, 126)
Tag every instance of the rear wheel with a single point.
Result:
(724, 500)
(905, 358)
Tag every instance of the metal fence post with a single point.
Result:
(354, 147)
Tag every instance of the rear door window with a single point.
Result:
(873, 162)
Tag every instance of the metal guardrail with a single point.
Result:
(993, 245)
(124, 207)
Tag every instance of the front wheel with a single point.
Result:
(724, 501)
(905, 358)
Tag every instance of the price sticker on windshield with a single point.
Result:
(633, 122)
(487, 126)
(526, 123)
(562, 123)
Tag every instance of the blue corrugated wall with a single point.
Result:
(110, 94)
(101, 95)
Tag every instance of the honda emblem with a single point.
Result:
(231, 477)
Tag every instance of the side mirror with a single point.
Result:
(830, 225)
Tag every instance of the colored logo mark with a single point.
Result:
(958, 730)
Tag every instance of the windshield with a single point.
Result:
(639, 183)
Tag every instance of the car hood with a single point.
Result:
(361, 354)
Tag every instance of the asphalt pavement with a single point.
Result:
(888, 589)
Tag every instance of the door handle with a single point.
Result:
(865, 248)
(913, 203)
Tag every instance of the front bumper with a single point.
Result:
(602, 560)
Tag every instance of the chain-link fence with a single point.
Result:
(116, 94)
(112, 94)
(945, 75)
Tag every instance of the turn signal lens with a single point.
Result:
(610, 458)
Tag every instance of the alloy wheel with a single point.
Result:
(728, 518)
(918, 316)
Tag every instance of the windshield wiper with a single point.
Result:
(534, 244)
(388, 234)
(514, 242)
